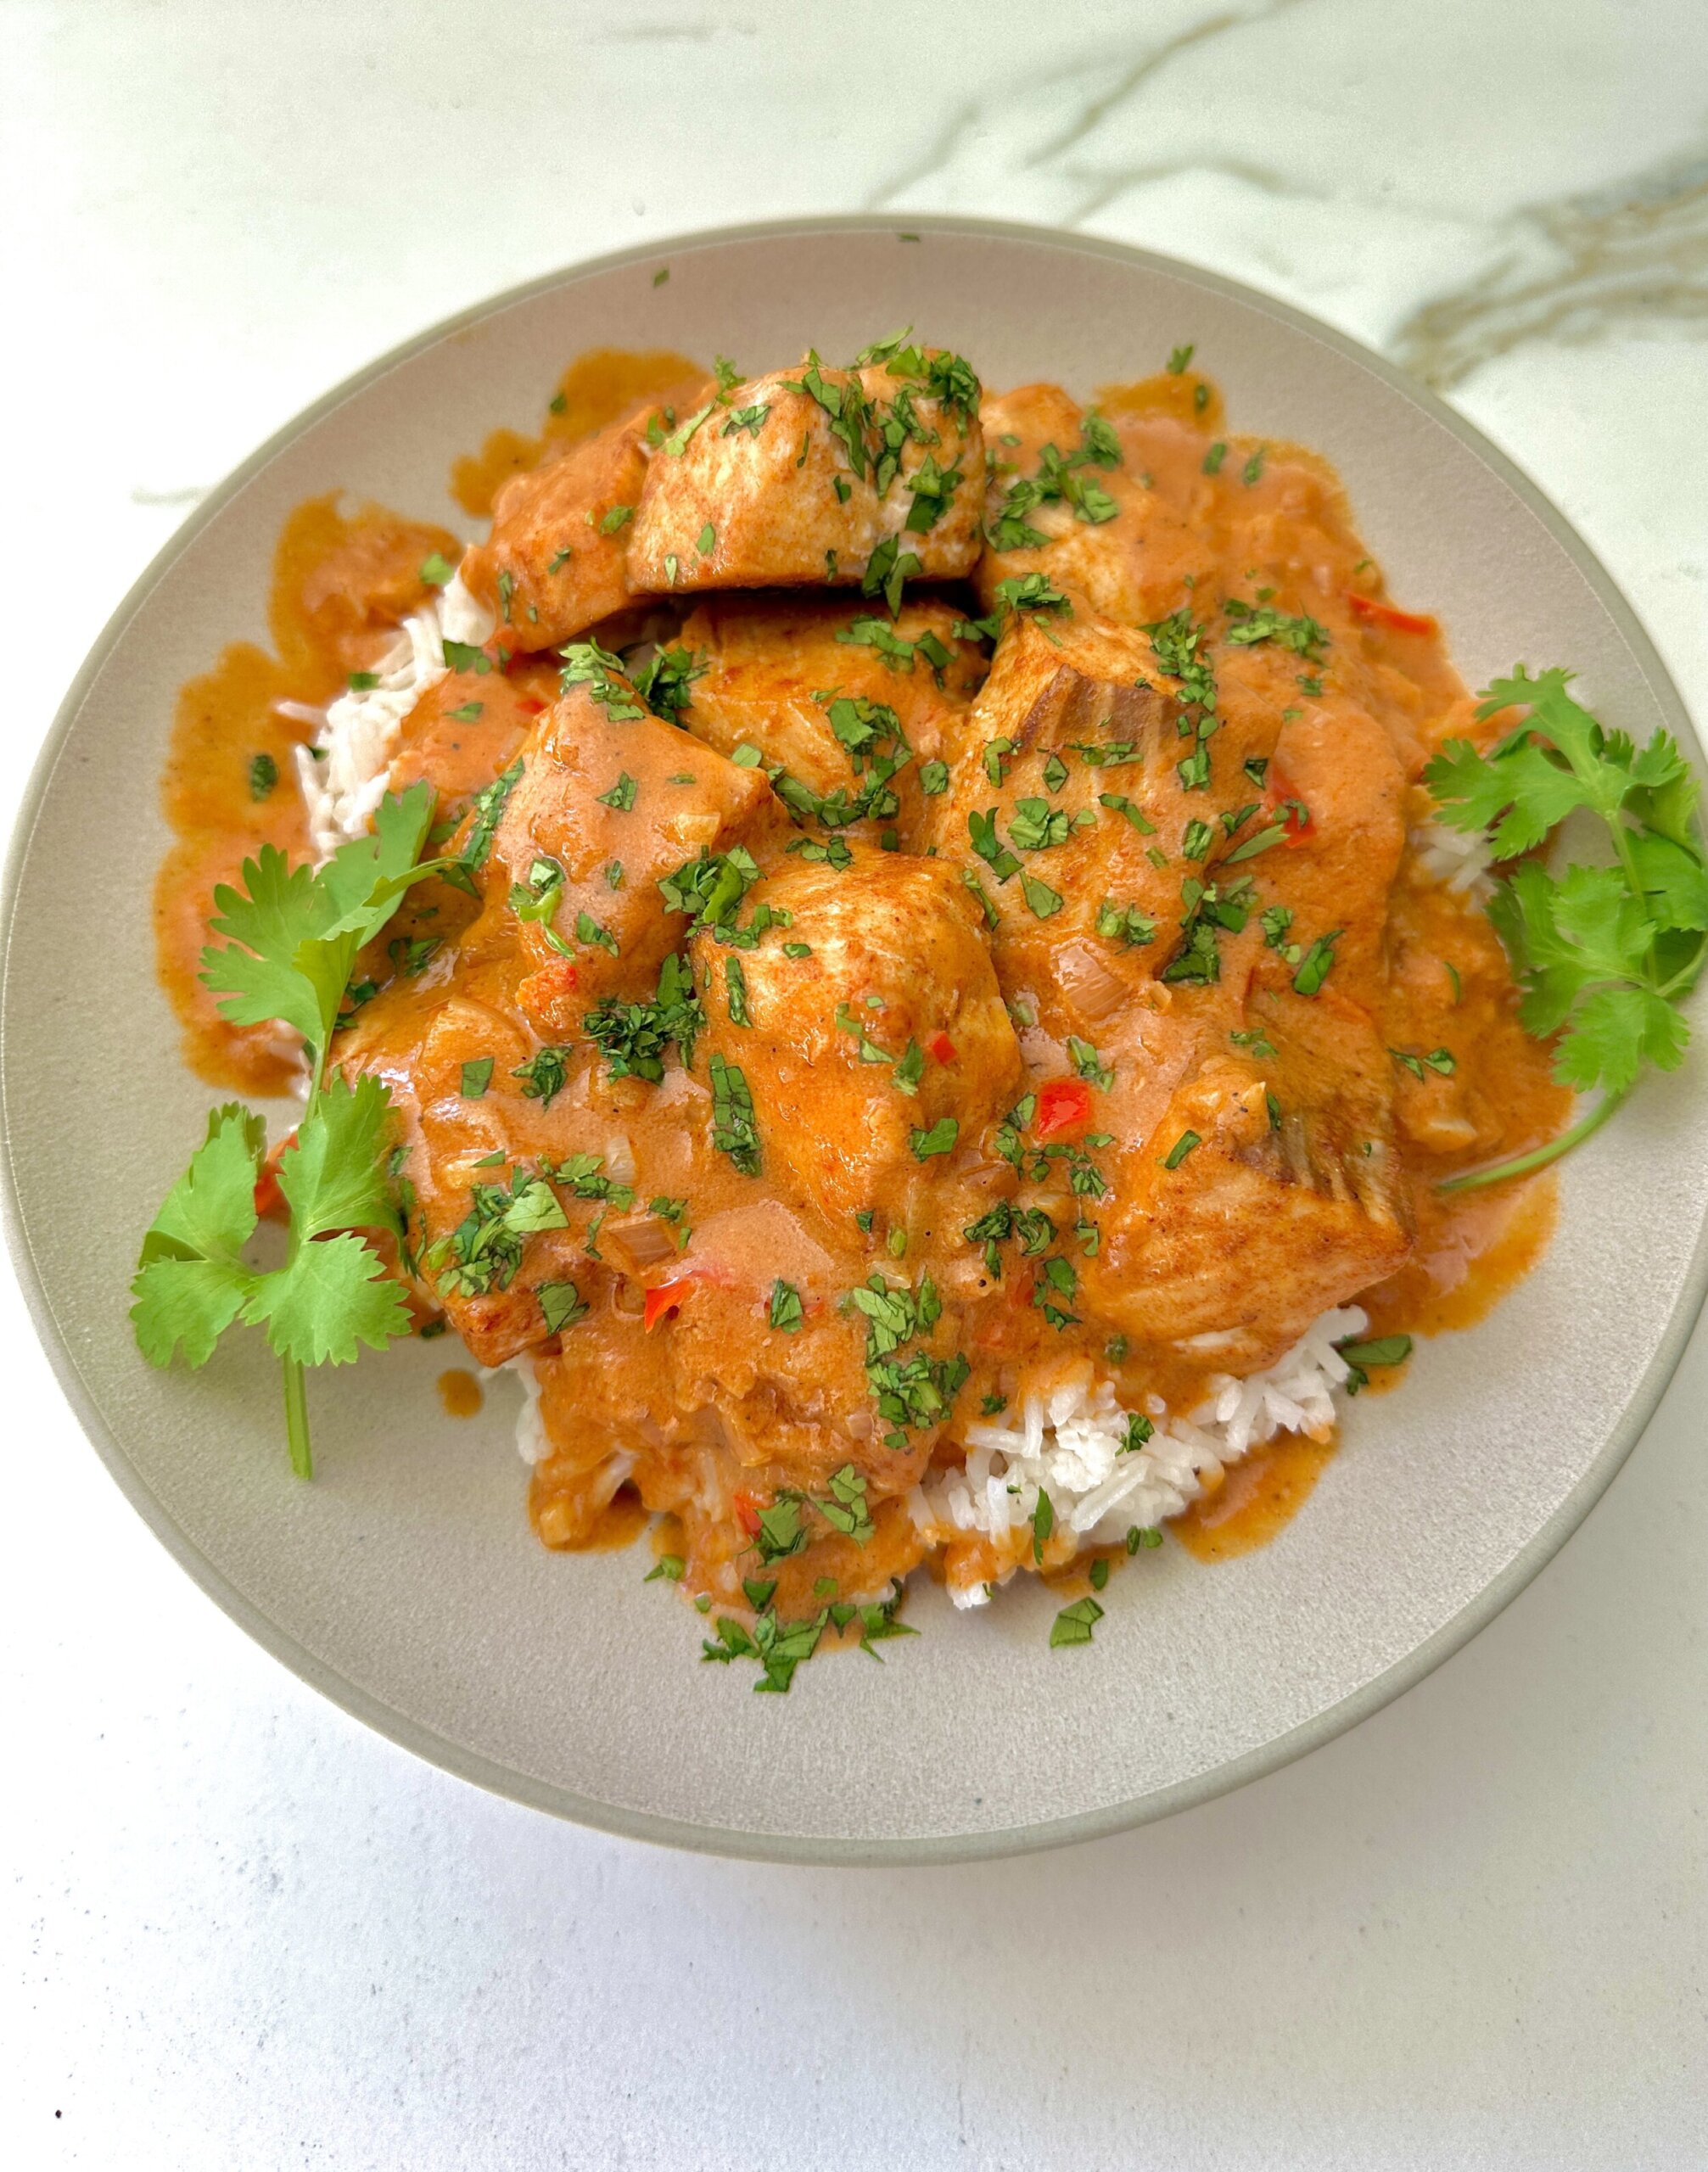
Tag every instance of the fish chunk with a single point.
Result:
(819, 477)
(607, 803)
(1270, 1190)
(854, 710)
(1086, 805)
(870, 1033)
(555, 562)
(1064, 501)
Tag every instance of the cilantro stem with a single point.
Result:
(1686, 977)
(296, 1417)
(1523, 1164)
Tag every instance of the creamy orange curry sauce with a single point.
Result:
(945, 919)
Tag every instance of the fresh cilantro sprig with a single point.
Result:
(1605, 955)
(292, 936)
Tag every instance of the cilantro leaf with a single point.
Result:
(192, 1282)
(332, 1173)
(331, 1296)
(183, 1307)
(291, 939)
(1522, 795)
(1615, 1031)
(209, 1213)
(1605, 954)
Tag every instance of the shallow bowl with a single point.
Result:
(405, 1582)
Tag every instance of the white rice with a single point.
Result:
(531, 1443)
(1068, 1440)
(1460, 859)
(342, 770)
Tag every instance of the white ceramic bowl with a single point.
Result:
(405, 1582)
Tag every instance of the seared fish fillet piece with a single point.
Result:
(870, 1032)
(819, 477)
(1270, 1190)
(854, 708)
(1064, 501)
(555, 562)
(607, 803)
(1084, 800)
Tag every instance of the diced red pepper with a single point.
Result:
(1282, 804)
(748, 1513)
(1390, 616)
(665, 1299)
(942, 1048)
(1064, 1105)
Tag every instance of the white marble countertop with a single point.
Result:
(240, 1931)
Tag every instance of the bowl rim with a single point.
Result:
(630, 1823)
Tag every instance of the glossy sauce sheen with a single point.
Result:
(343, 580)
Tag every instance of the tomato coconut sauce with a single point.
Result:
(920, 950)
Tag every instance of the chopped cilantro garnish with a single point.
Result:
(589, 930)
(1318, 961)
(561, 1304)
(1261, 622)
(544, 1075)
(632, 1037)
(1125, 925)
(1381, 1351)
(477, 1077)
(665, 682)
(710, 890)
(782, 1529)
(1117, 804)
(982, 830)
(1275, 921)
(887, 569)
(734, 1132)
(1041, 899)
(845, 1508)
(1089, 1064)
(585, 664)
(1442, 1062)
(1075, 1623)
